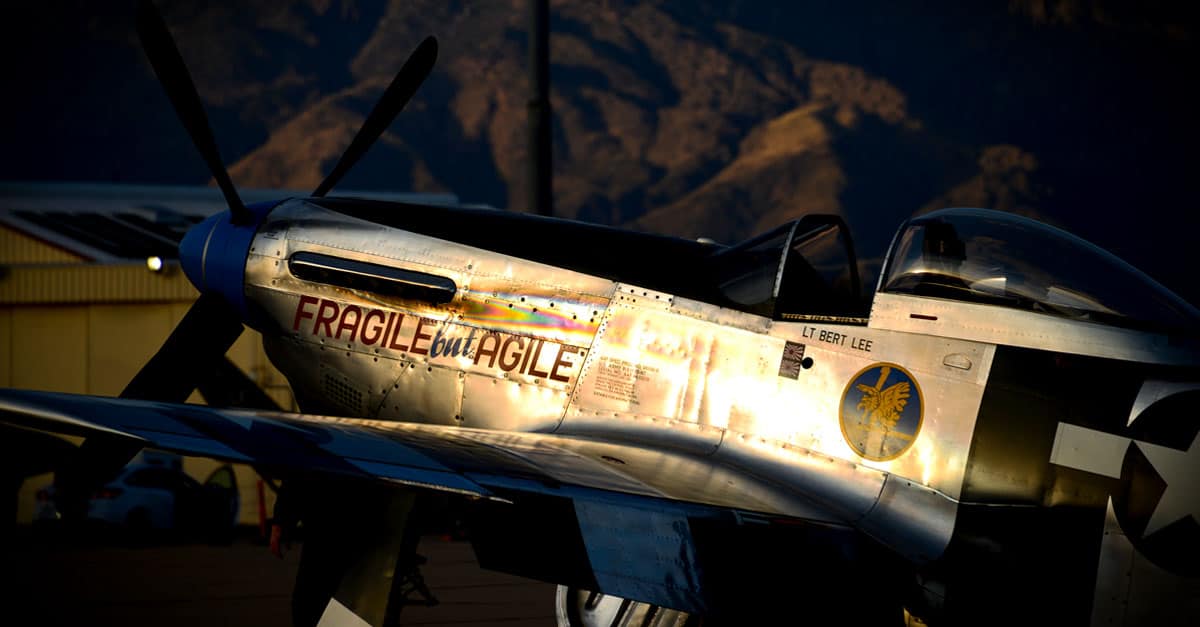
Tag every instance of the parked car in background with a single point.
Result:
(153, 494)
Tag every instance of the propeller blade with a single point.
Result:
(192, 352)
(177, 82)
(228, 386)
(410, 77)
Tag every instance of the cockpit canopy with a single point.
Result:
(802, 270)
(1003, 259)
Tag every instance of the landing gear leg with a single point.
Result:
(408, 585)
(358, 562)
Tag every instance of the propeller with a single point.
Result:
(228, 386)
(391, 103)
(213, 253)
(211, 326)
(194, 349)
(173, 74)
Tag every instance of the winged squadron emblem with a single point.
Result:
(881, 406)
(881, 411)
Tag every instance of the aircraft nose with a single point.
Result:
(213, 255)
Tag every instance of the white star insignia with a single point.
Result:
(1101, 453)
(1180, 470)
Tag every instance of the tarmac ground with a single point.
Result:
(56, 580)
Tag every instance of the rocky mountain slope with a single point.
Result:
(708, 118)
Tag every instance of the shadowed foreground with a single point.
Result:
(62, 583)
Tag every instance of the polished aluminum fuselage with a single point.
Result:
(525, 346)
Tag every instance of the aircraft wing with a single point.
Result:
(602, 482)
(452, 459)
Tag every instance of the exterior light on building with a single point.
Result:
(154, 264)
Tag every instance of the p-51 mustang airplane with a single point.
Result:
(1007, 431)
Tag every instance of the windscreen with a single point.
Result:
(747, 274)
(803, 270)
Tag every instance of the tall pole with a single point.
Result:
(541, 200)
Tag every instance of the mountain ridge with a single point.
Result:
(714, 119)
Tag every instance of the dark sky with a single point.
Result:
(1099, 92)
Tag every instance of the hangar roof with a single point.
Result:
(110, 223)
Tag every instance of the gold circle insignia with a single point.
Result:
(882, 411)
